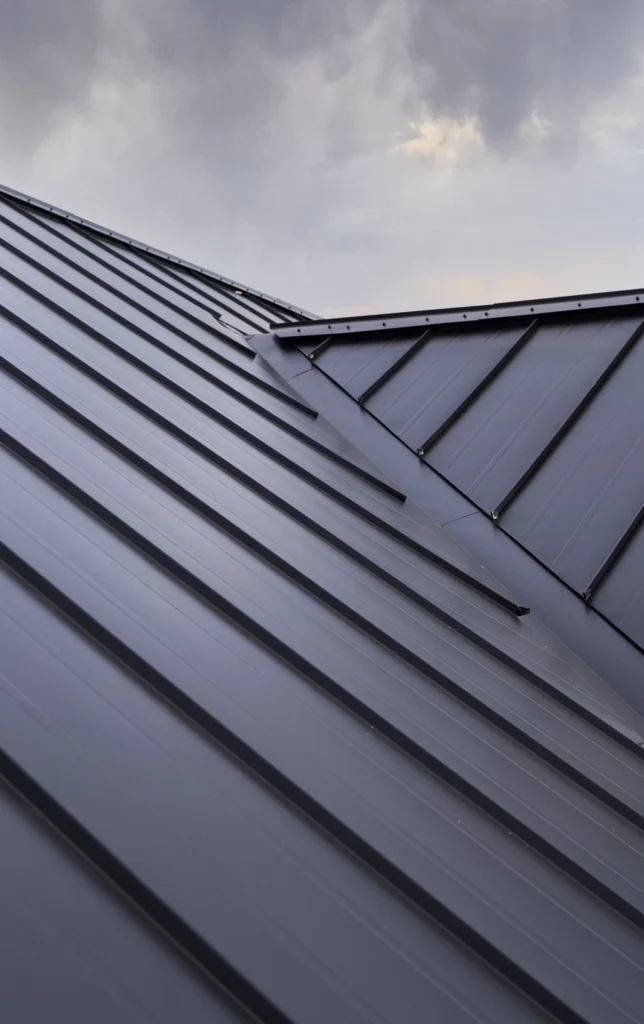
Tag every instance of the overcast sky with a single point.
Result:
(346, 155)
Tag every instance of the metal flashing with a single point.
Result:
(588, 304)
(514, 410)
(585, 629)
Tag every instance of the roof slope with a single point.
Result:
(534, 412)
(221, 293)
(304, 760)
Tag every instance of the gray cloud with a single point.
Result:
(260, 138)
(224, 62)
(499, 59)
(502, 58)
(47, 54)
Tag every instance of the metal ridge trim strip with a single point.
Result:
(57, 211)
(586, 306)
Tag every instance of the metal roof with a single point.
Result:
(274, 747)
(532, 411)
(190, 273)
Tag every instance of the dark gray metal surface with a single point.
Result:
(72, 948)
(535, 415)
(265, 727)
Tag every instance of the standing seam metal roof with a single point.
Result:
(181, 269)
(304, 759)
(533, 412)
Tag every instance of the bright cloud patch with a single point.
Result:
(606, 122)
(446, 140)
(535, 127)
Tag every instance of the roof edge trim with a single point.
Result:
(160, 254)
(373, 322)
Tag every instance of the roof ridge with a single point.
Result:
(591, 303)
(161, 254)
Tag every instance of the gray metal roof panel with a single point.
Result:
(539, 422)
(235, 287)
(107, 963)
(323, 753)
(85, 256)
(165, 284)
(575, 621)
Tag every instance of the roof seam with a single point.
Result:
(113, 290)
(498, 523)
(113, 346)
(86, 236)
(168, 275)
(260, 384)
(170, 923)
(437, 676)
(414, 348)
(568, 423)
(222, 522)
(239, 475)
(218, 417)
(483, 384)
(165, 276)
(56, 211)
(235, 744)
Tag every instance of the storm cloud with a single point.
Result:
(505, 59)
(345, 154)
